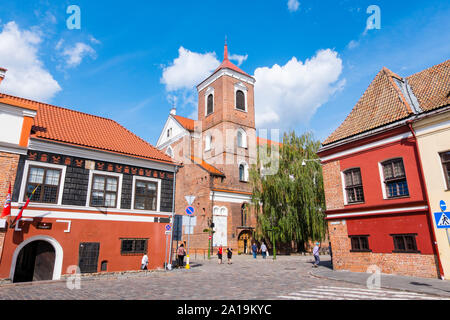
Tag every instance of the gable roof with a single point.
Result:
(388, 99)
(63, 125)
(187, 123)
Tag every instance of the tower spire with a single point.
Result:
(225, 51)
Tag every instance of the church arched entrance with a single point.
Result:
(35, 262)
(245, 242)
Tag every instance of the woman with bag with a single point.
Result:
(181, 252)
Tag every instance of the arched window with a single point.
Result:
(210, 104)
(240, 100)
(169, 152)
(243, 172)
(241, 138)
(244, 214)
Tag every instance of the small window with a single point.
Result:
(353, 186)
(360, 243)
(104, 266)
(46, 182)
(405, 243)
(395, 178)
(133, 246)
(169, 152)
(240, 100)
(244, 214)
(208, 142)
(104, 191)
(210, 104)
(169, 132)
(445, 158)
(243, 173)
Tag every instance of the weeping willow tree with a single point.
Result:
(289, 202)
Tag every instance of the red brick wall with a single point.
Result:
(408, 264)
(332, 182)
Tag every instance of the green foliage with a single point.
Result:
(290, 202)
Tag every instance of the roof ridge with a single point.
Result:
(428, 69)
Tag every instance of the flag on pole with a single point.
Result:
(7, 207)
(24, 207)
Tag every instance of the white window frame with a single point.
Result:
(244, 138)
(169, 151)
(243, 88)
(208, 142)
(246, 175)
(133, 191)
(23, 185)
(209, 91)
(105, 173)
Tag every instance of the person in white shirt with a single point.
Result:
(316, 255)
(144, 262)
(263, 250)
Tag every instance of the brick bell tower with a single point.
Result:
(226, 112)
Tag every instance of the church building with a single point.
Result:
(216, 152)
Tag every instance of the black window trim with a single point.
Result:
(404, 235)
(394, 179)
(348, 170)
(133, 253)
(360, 236)
(60, 186)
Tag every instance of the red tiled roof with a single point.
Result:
(262, 141)
(432, 86)
(203, 164)
(384, 101)
(85, 130)
(227, 64)
(187, 123)
(19, 102)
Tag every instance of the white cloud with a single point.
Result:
(188, 70)
(293, 5)
(288, 95)
(74, 55)
(238, 58)
(352, 44)
(26, 76)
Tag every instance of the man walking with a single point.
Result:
(144, 262)
(316, 255)
(263, 250)
(254, 250)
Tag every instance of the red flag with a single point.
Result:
(23, 208)
(7, 207)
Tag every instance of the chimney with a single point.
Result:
(2, 74)
(173, 111)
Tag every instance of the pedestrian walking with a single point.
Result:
(254, 250)
(144, 262)
(219, 254)
(229, 254)
(181, 252)
(263, 250)
(331, 252)
(316, 255)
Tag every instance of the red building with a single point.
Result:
(103, 195)
(377, 204)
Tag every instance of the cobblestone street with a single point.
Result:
(286, 278)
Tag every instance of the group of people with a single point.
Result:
(229, 254)
(263, 250)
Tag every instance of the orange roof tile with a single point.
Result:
(432, 86)
(262, 141)
(382, 103)
(187, 123)
(203, 164)
(85, 130)
(19, 102)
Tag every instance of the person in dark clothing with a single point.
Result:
(181, 252)
(229, 254)
(254, 250)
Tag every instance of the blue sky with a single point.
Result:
(114, 65)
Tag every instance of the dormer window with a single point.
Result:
(240, 100)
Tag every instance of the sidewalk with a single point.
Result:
(388, 281)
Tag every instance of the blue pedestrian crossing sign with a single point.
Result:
(189, 210)
(442, 219)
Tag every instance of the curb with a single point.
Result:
(383, 287)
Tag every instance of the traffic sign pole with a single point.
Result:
(189, 211)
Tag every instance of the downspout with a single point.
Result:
(173, 211)
(430, 219)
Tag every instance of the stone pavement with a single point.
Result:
(286, 278)
(388, 281)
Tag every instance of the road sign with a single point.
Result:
(189, 199)
(443, 205)
(168, 227)
(442, 219)
(209, 237)
(189, 210)
(167, 232)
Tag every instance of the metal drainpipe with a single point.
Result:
(173, 211)
(430, 218)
